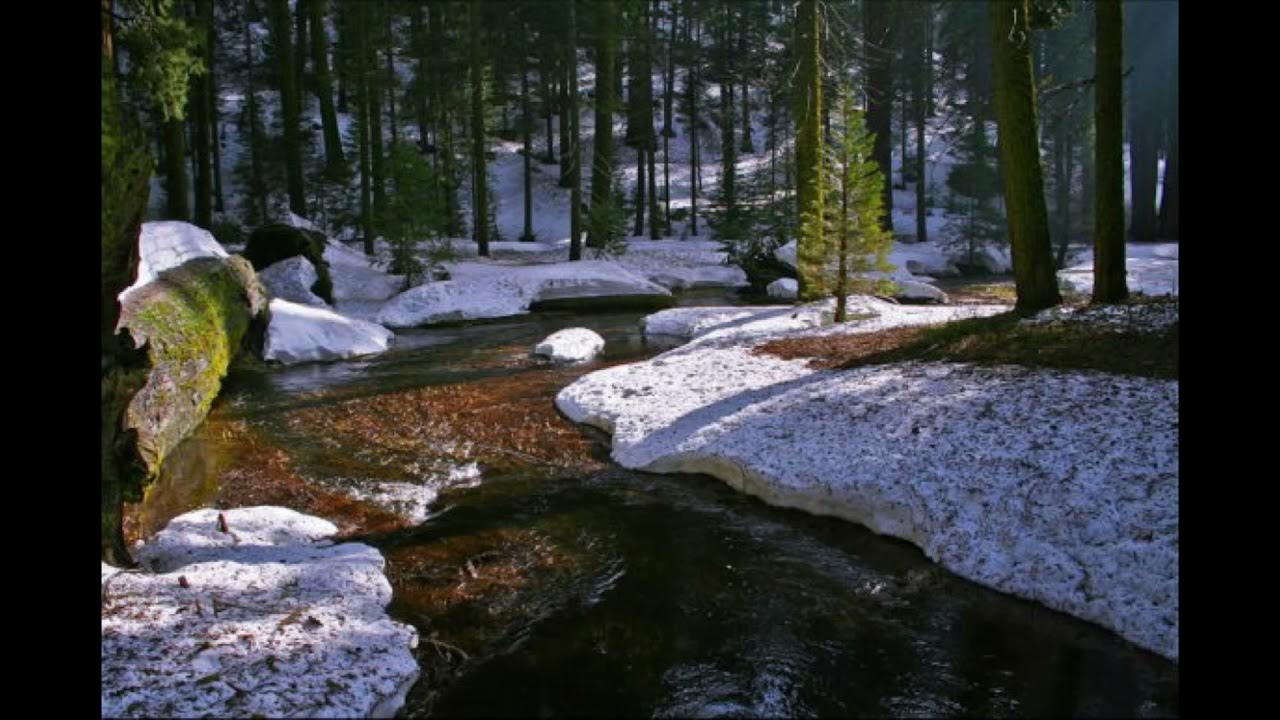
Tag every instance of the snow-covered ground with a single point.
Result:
(269, 619)
(1061, 487)
(1151, 269)
(302, 333)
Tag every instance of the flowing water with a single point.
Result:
(545, 580)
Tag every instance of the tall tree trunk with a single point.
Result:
(373, 88)
(324, 91)
(526, 125)
(480, 197)
(606, 102)
(654, 230)
(362, 93)
(126, 172)
(1144, 123)
(1015, 96)
(392, 84)
(211, 101)
(878, 31)
(301, 13)
(811, 246)
(289, 105)
(1169, 198)
(175, 179)
(691, 87)
(198, 102)
(569, 80)
(640, 192)
(575, 135)
(1108, 244)
(257, 182)
(728, 154)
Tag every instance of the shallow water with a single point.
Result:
(575, 587)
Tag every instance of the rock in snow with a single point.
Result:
(270, 619)
(291, 279)
(919, 292)
(299, 333)
(570, 345)
(168, 244)
(784, 289)
(486, 290)
(995, 472)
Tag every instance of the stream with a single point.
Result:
(546, 580)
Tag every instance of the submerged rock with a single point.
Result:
(570, 345)
(268, 618)
(272, 243)
(299, 333)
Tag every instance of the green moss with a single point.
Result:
(193, 320)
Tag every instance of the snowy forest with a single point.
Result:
(636, 357)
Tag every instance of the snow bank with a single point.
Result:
(906, 261)
(784, 289)
(480, 290)
(923, 259)
(570, 345)
(168, 244)
(291, 279)
(1151, 269)
(298, 333)
(270, 619)
(1055, 486)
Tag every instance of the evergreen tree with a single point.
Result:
(863, 243)
(1015, 96)
(480, 193)
(879, 43)
(574, 136)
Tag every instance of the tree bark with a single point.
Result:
(289, 105)
(1015, 96)
(575, 135)
(602, 149)
(811, 248)
(324, 91)
(878, 31)
(480, 197)
(1108, 245)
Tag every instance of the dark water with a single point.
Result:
(596, 591)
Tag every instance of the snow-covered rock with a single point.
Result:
(480, 290)
(291, 279)
(993, 259)
(919, 292)
(993, 471)
(299, 333)
(356, 277)
(570, 345)
(923, 259)
(732, 323)
(270, 619)
(166, 245)
(784, 289)
(786, 254)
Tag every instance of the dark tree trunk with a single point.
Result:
(811, 248)
(606, 102)
(198, 102)
(480, 197)
(175, 180)
(1037, 285)
(324, 91)
(289, 105)
(1169, 198)
(526, 125)
(362, 92)
(878, 31)
(1108, 245)
(211, 101)
(574, 137)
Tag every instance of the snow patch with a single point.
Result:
(298, 333)
(994, 472)
(784, 289)
(269, 619)
(166, 245)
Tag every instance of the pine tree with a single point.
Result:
(1015, 96)
(574, 136)
(1108, 250)
(863, 243)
